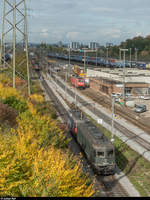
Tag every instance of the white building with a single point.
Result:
(75, 45)
(93, 45)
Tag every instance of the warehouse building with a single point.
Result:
(109, 83)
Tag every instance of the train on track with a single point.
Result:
(78, 82)
(97, 148)
(112, 63)
(35, 65)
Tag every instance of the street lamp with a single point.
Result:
(119, 54)
(130, 57)
(107, 47)
(96, 56)
(69, 62)
(66, 85)
(112, 125)
(107, 55)
(124, 50)
(136, 50)
(85, 50)
(75, 93)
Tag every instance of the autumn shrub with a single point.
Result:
(4, 80)
(43, 128)
(33, 157)
(30, 169)
(36, 88)
(54, 177)
(15, 103)
(6, 92)
(37, 98)
(46, 108)
(31, 172)
(7, 115)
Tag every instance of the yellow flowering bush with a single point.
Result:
(33, 160)
(6, 92)
(37, 98)
(43, 128)
(12, 98)
(4, 79)
(55, 177)
(29, 169)
(31, 108)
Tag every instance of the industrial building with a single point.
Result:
(137, 82)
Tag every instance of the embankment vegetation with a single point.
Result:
(34, 158)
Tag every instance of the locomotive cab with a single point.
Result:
(105, 160)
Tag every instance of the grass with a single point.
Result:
(134, 166)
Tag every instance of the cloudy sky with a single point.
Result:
(87, 20)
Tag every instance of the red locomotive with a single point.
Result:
(36, 66)
(78, 82)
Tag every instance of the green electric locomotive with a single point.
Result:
(98, 149)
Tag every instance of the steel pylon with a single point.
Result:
(14, 40)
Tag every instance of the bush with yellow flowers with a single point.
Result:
(4, 80)
(34, 161)
(6, 91)
(12, 98)
(37, 98)
(30, 171)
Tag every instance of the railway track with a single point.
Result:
(124, 112)
(129, 134)
(105, 102)
(58, 106)
(108, 186)
(112, 187)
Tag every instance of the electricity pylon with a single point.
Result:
(14, 40)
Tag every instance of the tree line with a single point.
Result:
(138, 49)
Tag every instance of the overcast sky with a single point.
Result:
(87, 20)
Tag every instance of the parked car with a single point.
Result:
(140, 108)
(145, 97)
(114, 95)
(117, 95)
(128, 95)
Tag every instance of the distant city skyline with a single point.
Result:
(87, 21)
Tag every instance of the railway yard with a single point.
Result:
(74, 99)
(131, 127)
(108, 186)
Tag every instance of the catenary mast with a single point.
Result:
(14, 39)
